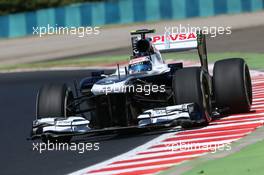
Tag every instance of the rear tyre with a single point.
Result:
(53, 101)
(190, 85)
(232, 85)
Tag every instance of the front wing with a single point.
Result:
(151, 119)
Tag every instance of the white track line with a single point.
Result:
(125, 155)
(141, 163)
(256, 106)
(257, 102)
(258, 93)
(233, 124)
(238, 121)
(258, 99)
(227, 137)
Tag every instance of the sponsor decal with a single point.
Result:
(173, 37)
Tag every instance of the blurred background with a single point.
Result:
(20, 46)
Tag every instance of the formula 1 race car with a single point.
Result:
(147, 93)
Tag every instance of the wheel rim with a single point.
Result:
(67, 101)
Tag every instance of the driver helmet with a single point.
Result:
(140, 64)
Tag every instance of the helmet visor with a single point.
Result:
(140, 67)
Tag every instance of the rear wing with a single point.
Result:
(182, 42)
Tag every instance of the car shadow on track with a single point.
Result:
(126, 135)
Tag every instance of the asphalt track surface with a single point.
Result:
(18, 92)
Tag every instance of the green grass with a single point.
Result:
(254, 60)
(248, 161)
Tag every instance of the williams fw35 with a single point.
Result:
(147, 93)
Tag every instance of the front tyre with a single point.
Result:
(190, 85)
(53, 100)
